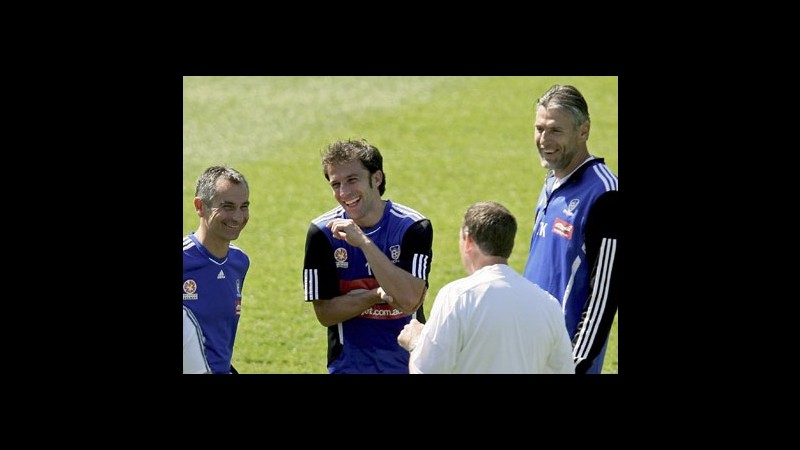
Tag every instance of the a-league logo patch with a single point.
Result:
(190, 290)
(340, 255)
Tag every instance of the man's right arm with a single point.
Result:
(344, 307)
(321, 284)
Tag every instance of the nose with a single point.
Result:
(240, 215)
(343, 190)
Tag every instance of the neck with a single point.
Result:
(216, 247)
(372, 219)
(480, 262)
(573, 165)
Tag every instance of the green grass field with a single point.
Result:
(447, 142)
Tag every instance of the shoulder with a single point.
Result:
(321, 220)
(235, 253)
(419, 233)
(461, 286)
(409, 219)
(188, 243)
(233, 248)
(536, 292)
(404, 212)
(518, 280)
(422, 226)
(192, 249)
(606, 207)
(539, 292)
(600, 176)
(451, 291)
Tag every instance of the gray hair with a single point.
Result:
(568, 98)
(207, 182)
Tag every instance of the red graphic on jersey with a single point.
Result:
(563, 228)
(238, 305)
(346, 286)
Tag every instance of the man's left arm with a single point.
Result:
(602, 233)
(407, 282)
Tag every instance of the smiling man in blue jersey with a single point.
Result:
(573, 248)
(366, 264)
(213, 268)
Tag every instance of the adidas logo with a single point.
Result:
(221, 275)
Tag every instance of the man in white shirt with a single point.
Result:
(493, 320)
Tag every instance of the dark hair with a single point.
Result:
(341, 152)
(566, 97)
(492, 227)
(207, 183)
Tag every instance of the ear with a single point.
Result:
(198, 206)
(584, 131)
(468, 242)
(377, 177)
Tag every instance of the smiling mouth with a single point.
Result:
(352, 202)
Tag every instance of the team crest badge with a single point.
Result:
(395, 251)
(573, 204)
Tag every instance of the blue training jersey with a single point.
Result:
(573, 251)
(332, 267)
(212, 289)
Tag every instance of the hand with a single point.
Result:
(348, 230)
(382, 296)
(386, 298)
(409, 335)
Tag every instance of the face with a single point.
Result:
(561, 145)
(228, 213)
(357, 191)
